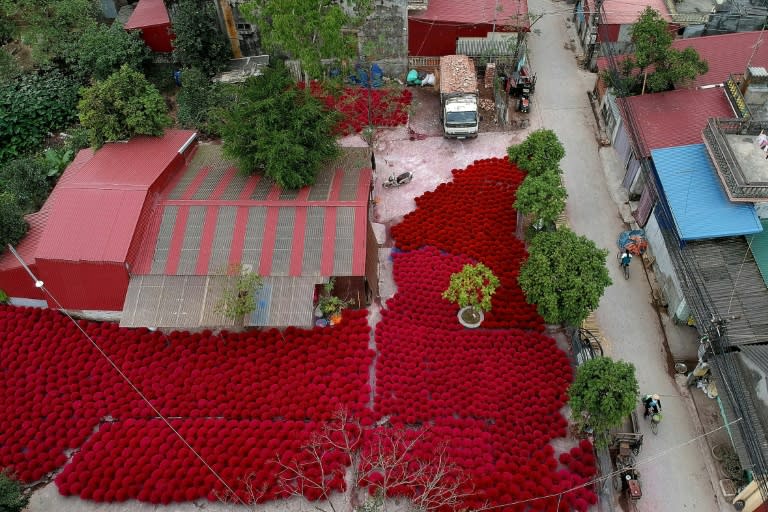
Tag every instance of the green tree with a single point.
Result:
(30, 107)
(542, 197)
(102, 49)
(239, 296)
(199, 101)
(541, 151)
(48, 26)
(472, 288)
(603, 393)
(307, 30)
(565, 275)
(123, 105)
(654, 64)
(199, 43)
(276, 128)
(13, 227)
(26, 179)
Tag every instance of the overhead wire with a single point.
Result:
(41, 286)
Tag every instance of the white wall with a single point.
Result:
(666, 276)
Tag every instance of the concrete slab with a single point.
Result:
(752, 160)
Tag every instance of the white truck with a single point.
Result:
(458, 97)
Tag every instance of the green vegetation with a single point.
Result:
(32, 106)
(542, 197)
(239, 298)
(473, 286)
(655, 65)
(200, 100)
(276, 128)
(306, 30)
(541, 151)
(123, 105)
(26, 179)
(102, 49)
(13, 227)
(602, 395)
(330, 305)
(565, 275)
(199, 43)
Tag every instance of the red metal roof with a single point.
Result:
(726, 54)
(501, 12)
(148, 13)
(676, 118)
(623, 12)
(94, 214)
(38, 221)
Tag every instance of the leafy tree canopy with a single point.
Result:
(123, 105)
(199, 100)
(276, 128)
(102, 49)
(30, 107)
(26, 179)
(542, 197)
(48, 26)
(307, 30)
(603, 393)
(473, 286)
(541, 151)
(199, 43)
(565, 275)
(654, 65)
(13, 227)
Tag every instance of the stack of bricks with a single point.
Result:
(490, 72)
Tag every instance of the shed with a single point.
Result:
(434, 31)
(84, 241)
(150, 17)
(699, 205)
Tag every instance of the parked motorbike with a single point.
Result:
(524, 103)
(398, 180)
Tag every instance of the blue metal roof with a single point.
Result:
(699, 205)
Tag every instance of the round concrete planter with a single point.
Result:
(470, 317)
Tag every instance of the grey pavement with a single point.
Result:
(674, 474)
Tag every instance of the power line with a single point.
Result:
(41, 286)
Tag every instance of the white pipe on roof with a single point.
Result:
(183, 148)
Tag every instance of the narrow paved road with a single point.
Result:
(674, 477)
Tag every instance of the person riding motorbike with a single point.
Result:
(652, 405)
(626, 258)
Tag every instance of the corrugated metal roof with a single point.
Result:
(94, 214)
(621, 12)
(758, 244)
(725, 54)
(472, 12)
(699, 205)
(733, 284)
(283, 233)
(148, 13)
(676, 118)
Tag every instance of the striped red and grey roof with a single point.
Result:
(212, 217)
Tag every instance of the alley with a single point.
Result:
(674, 477)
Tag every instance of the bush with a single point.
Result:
(198, 100)
(199, 43)
(26, 180)
(123, 105)
(102, 49)
(12, 499)
(32, 106)
(473, 286)
(279, 129)
(13, 227)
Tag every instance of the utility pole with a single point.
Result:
(231, 26)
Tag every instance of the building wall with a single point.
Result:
(384, 37)
(85, 285)
(438, 39)
(664, 270)
(17, 283)
(158, 38)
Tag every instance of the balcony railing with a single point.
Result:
(738, 188)
(418, 4)
(733, 91)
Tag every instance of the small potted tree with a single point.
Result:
(472, 289)
(329, 306)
